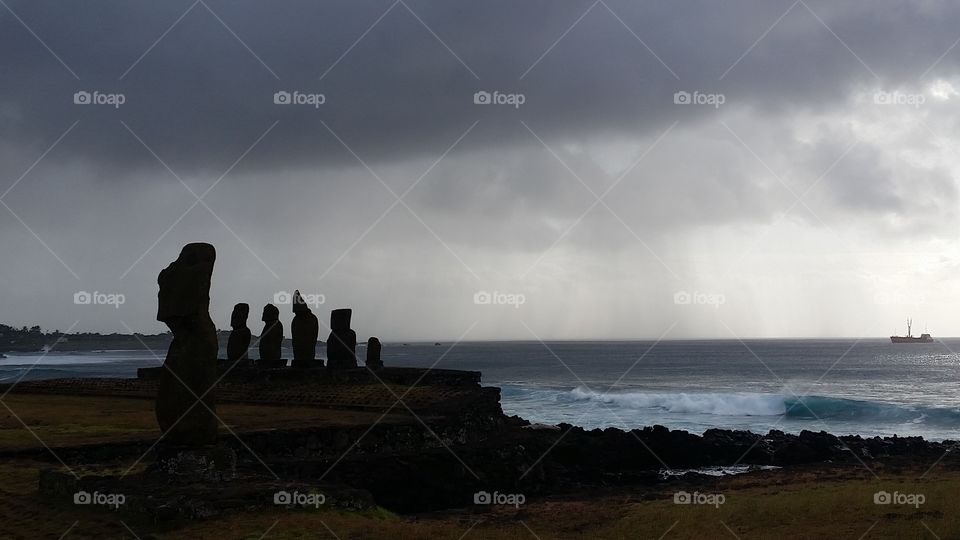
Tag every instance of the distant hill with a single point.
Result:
(34, 340)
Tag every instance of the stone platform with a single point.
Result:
(339, 431)
(437, 391)
(320, 375)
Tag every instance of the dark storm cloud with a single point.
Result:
(199, 97)
(299, 210)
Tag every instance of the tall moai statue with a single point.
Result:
(342, 342)
(304, 329)
(238, 345)
(271, 339)
(373, 354)
(191, 363)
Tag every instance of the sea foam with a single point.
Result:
(727, 404)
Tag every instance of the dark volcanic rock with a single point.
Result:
(238, 345)
(305, 328)
(272, 337)
(808, 447)
(342, 342)
(373, 354)
(207, 464)
(191, 363)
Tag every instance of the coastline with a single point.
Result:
(681, 385)
(395, 473)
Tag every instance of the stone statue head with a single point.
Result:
(270, 313)
(299, 306)
(239, 317)
(185, 283)
(340, 319)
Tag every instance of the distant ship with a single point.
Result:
(909, 338)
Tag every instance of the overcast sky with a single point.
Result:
(655, 169)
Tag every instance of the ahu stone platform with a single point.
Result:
(434, 391)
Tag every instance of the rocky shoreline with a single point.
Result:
(448, 450)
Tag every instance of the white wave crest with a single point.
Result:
(729, 404)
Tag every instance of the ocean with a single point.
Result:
(867, 387)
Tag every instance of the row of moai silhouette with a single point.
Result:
(305, 329)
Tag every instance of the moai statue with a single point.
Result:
(272, 337)
(342, 342)
(373, 354)
(305, 329)
(191, 363)
(238, 345)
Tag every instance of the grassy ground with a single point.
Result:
(811, 503)
(808, 502)
(68, 420)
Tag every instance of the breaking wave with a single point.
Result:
(758, 404)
